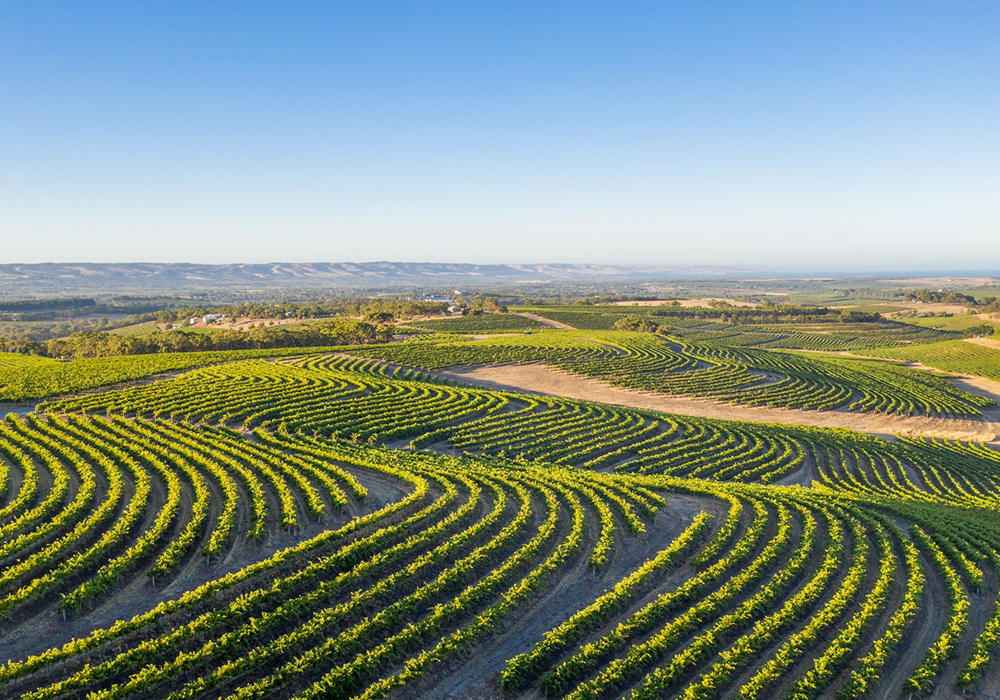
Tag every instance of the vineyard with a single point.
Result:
(737, 375)
(23, 378)
(136, 331)
(483, 323)
(831, 335)
(17, 362)
(343, 526)
(955, 356)
(500, 351)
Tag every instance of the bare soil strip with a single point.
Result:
(919, 636)
(541, 379)
(988, 342)
(546, 321)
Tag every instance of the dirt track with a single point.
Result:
(542, 379)
(547, 321)
(987, 342)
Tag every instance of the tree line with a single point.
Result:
(930, 296)
(768, 313)
(97, 344)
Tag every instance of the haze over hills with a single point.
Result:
(63, 276)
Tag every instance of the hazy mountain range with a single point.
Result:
(115, 276)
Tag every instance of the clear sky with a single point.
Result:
(816, 135)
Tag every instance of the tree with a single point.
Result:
(487, 305)
(851, 316)
(379, 317)
(980, 330)
(636, 324)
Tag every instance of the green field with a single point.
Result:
(345, 522)
(483, 323)
(205, 330)
(564, 548)
(135, 331)
(869, 307)
(953, 323)
(737, 375)
(829, 334)
(23, 378)
(956, 356)
(16, 361)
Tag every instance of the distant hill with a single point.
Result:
(44, 277)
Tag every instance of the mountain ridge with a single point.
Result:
(84, 274)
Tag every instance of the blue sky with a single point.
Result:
(813, 135)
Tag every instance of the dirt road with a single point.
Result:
(546, 321)
(987, 342)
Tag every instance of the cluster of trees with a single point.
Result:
(636, 324)
(34, 305)
(980, 330)
(67, 308)
(487, 305)
(387, 310)
(763, 314)
(768, 313)
(96, 344)
(853, 316)
(25, 346)
(929, 296)
(983, 305)
(865, 293)
(14, 331)
(76, 315)
(989, 305)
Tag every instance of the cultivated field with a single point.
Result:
(485, 322)
(364, 522)
(728, 373)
